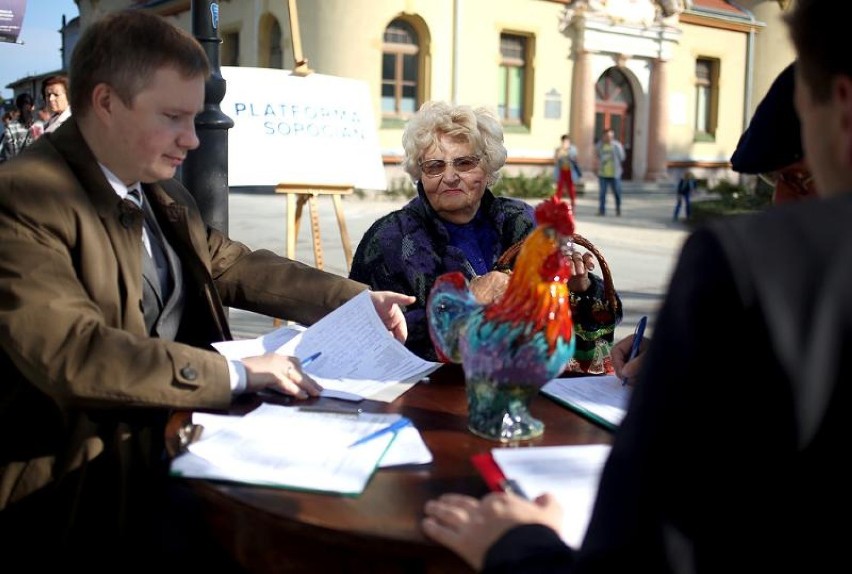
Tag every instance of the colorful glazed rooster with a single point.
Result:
(521, 340)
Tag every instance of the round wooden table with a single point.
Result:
(274, 530)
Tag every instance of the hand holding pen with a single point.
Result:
(628, 349)
(281, 374)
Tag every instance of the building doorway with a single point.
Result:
(614, 108)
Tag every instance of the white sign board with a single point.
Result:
(312, 129)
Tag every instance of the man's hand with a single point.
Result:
(387, 305)
(469, 527)
(280, 373)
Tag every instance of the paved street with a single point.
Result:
(641, 246)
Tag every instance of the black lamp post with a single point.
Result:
(205, 171)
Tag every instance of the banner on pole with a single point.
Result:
(11, 17)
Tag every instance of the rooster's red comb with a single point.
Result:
(557, 214)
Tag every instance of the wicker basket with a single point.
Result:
(507, 261)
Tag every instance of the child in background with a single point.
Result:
(685, 187)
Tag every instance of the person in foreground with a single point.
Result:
(454, 153)
(109, 304)
(724, 465)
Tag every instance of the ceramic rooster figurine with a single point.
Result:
(511, 347)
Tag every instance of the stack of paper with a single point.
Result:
(288, 448)
(570, 473)
(358, 356)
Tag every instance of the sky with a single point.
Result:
(41, 39)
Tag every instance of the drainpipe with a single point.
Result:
(749, 74)
(456, 37)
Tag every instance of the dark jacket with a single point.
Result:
(730, 456)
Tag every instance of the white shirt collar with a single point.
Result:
(117, 185)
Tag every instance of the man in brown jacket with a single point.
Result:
(108, 308)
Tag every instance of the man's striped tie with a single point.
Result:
(134, 194)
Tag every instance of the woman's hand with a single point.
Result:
(580, 267)
(469, 527)
(489, 287)
(620, 353)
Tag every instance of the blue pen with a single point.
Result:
(311, 359)
(393, 427)
(637, 340)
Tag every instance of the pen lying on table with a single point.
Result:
(393, 427)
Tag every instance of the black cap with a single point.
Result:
(773, 137)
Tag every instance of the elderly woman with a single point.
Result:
(454, 154)
(54, 90)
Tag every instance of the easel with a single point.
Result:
(300, 193)
(297, 195)
(301, 66)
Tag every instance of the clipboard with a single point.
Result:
(602, 399)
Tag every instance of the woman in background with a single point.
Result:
(566, 171)
(54, 90)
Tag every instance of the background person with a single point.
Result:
(754, 484)
(17, 134)
(112, 289)
(453, 154)
(686, 185)
(566, 170)
(54, 90)
(7, 118)
(609, 154)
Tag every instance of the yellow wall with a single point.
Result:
(344, 38)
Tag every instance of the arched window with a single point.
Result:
(400, 70)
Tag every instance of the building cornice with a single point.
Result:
(721, 23)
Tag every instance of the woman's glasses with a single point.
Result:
(436, 167)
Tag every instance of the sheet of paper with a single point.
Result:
(267, 343)
(600, 397)
(570, 473)
(285, 447)
(358, 354)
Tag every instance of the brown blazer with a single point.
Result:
(82, 382)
